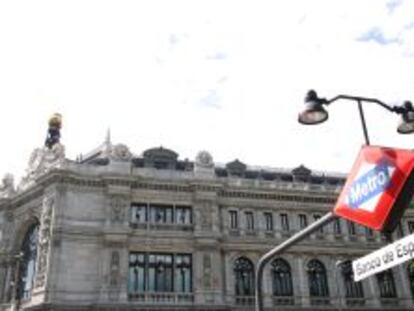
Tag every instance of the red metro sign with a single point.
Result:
(378, 188)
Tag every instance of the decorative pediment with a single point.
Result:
(301, 172)
(160, 158)
(236, 168)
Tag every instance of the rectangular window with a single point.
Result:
(183, 274)
(369, 233)
(161, 213)
(351, 228)
(316, 218)
(183, 215)
(136, 277)
(400, 230)
(284, 220)
(268, 221)
(233, 220)
(303, 221)
(138, 213)
(337, 226)
(159, 273)
(249, 221)
(411, 227)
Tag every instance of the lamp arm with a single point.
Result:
(395, 109)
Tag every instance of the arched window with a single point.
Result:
(410, 272)
(318, 283)
(244, 279)
(353, 290)
(282, 282)
(386, 284)
(27, 269)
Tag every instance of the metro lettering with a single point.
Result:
(368, 185)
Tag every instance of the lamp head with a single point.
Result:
(406, 125)
(314, 113)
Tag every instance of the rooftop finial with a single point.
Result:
(107, 145)
(108, 136)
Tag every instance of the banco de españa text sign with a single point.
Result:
(384, 258)
(378, 188)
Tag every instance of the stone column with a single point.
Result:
(302, 277)
(402, 284)
(374, 300)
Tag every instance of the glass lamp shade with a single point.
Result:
(314, 113)
(406, 125)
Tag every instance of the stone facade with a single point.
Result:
(98, 212)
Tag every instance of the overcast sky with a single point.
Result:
(224, 76)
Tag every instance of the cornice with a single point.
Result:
(221, 189)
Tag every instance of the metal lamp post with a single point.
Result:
(315, 113)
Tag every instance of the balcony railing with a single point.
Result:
(354, 302)
(283, 300)
(161, 226)
(244, 300)
(320, 301)
(162, 297)
(389, 301)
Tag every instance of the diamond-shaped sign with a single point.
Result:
(378, 188)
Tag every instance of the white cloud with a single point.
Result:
(149, 69)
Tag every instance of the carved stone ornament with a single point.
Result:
(118, 207)
(206, 217)
(114, 276)
(41, 161)
(204, 160)
(44, 241)
(114, 269)
(120, 152)
(7, 186)
(207, 271)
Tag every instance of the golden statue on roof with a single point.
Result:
(53, 133)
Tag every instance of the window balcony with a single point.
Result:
(389, 302)
(162, 297)
(320, 301)
(283, 300)
(244, 300)
(355, 302)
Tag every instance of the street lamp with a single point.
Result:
(315, 113)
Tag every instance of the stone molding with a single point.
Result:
(118, 206)
(44, 243)
(41, 161)
(7, 189)
(223, 191)
(120, 153)
(204, 160)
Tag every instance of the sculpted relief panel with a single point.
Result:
(7, 186)
(118, 207)
(41, 161)
(44, 240)
(114, 276)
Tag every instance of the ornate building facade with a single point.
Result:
(116, 231)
